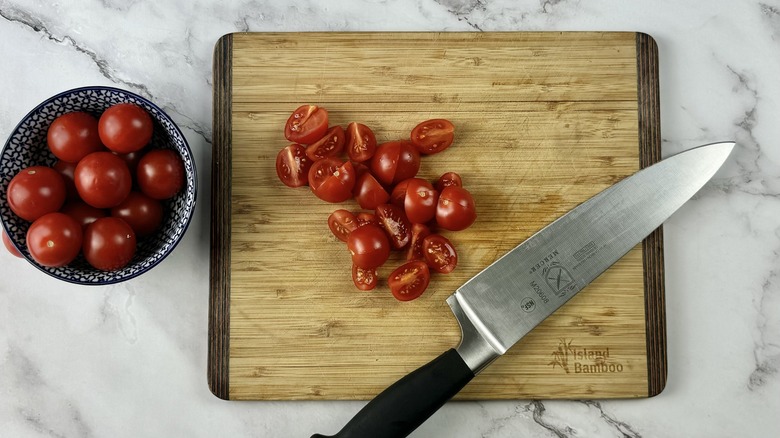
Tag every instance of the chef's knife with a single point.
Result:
(505, 301)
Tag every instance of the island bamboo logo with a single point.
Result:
(572, 359)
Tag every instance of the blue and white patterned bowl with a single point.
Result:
(26, 146)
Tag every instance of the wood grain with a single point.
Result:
(544, 121)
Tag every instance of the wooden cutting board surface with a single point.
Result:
(543, 121)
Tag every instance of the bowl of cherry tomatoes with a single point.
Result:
(97, 186)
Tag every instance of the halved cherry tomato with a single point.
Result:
(292, 166)
(102, 179)
(160, 174)
(420, 201)
(307, 124)
(433, 136)
(142, 213)
(82, 212)
(331, 180)
(361, 142)
(341, 223)
(448, 179)
(369, 194)
(54, 239)
(125, 128)
(439, 253)
(415, 250)
(109, 243)
(456, 210)
(365, 218)
(409, 280)
(36, 191)
(398, 195)
(364, 278)
(9, 245)
(67, 170)
(73, 136)
(395, 161)
(331, 144)
(395, 224)
(360, 169)
(369, 246)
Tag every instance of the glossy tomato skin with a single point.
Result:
(415, 249)
(330, 145)
(306, 125)
(420, 201)
(395, 161)
(331, 180)
(433, 136)
(82, 212)
(102, 179)
(142, 213)
(439, 253)
(395, 224)
(408, 162)
(9, 245)
(292, 166)
(54, 239)
(73, 136)
(368, 193)
(369, 246)
(132, 159)
(456, 209)
(125, 128)
(160, 174)
(109, 244)
(341, 223)
(66, 170)
(364, 278)
(360, 142)
(448, 179)
(36, 191)
(409, 280)
(398, 195)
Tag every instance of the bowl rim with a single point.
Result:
(194, 186)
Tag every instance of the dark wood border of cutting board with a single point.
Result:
(648, 104)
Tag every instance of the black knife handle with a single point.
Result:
(407, 403)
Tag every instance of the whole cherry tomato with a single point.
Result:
(341, 223)
(54, 239)
(456, 210)
(160, 174)
(361, 142)
(369, 246)
(125, 128)
(409, 280)
(102, 179)
(66, 170)
(10, 246)
(331, 144)
(395, 161)
(439, 253)
(142, 213)
(307, 124)
(331, 180)
(73, 136)
(131, 159)
(433, 136)
(36, 191)
(109, 243)
(292, 166)
(82, 212)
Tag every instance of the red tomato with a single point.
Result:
(82, 212)
(364, 278)
(409, 280)
(420, 201)
(398, 195)
(331, 144)
(456, 210)
(331, 180)
(341, 223)
(395, 161)
(439, 253)
(73, 136)
(66, 170)
(292, 166)
(160, 174)
(142, 213)
(54, 239)
(433, 136)
(125, 128)
(109, 243)
(395, 223)
(10, 246)
(369, 194)
(35, 191)
(102, 179)
(415, 250)
(307, 124)
(369, 246)
(448, 179)
(131, 159)
(361, 142)
(360, 169)
(365, 218)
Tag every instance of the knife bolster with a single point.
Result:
(474, 349)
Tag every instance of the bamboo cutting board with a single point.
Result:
(543, 122)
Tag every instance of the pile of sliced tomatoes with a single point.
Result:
(105, 189)
(399, 211)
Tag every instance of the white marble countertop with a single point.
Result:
(130, 361)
